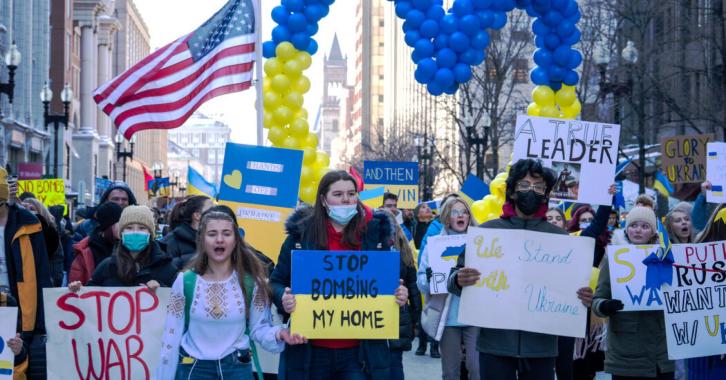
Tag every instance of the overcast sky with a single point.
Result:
(170, 19)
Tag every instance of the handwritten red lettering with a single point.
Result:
(63, 304)
(111, 314)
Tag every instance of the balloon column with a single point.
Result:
(288, 56)
(491, 206)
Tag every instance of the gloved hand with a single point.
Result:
(429, 274)
(610, 307)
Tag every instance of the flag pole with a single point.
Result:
(258, 70)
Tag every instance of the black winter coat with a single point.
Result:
(159, 268)
(410, 313)
(180, 244)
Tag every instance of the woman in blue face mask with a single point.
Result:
(137, 258)
(337, 222)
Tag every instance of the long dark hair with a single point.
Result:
(244, 260)
(352, 231)
(126, 264)
(715, 229)
(183, 211)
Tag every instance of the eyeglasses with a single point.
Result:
(459, 213)
(538, 187)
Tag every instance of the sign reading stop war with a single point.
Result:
(695, 303)
(49, 192)
(529, 281)
(684, 157)
(104, 333)
(627, 277)
(345, 294)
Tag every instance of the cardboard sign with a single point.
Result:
(582, 154)
(627, 277)
(716, 172)
(49, 192)
(8, 323)
(529, 281)
(104, 333)
(695, 304)
(345, 294)
(684, 157)
(261, 185)
(400, 178)
(443, 252)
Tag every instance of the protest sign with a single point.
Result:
(582, 154)
(696, 301)
(104, 333)
(684, 157)
(400, 178)
(49, 192)
(529, 281)
(627, 277)
(261, 185)
(30, 170)
(8, 322)
(101, 185)
(716, 172)
(443, 252)
(345, 294)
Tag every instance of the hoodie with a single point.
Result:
(85, 227)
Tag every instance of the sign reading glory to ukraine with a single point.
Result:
(529, 281)
(684, 157)
(400, 178)
(345, 294)
(582, 154)
(261, 185)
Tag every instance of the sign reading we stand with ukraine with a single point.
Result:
(400, 178)
(261, 185)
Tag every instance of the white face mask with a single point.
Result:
(342, 214)
(399, 218)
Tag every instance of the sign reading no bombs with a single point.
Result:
(400, 178)
(49, 192)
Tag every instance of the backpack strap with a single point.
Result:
(249, 290)
(190, 283)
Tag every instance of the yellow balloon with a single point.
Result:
(304, 58)
(276, 135)
(565, 96)
(267, 120)
(292, 68)
(294, 100)
(492, 216)
(301, 84)
(320, 171)
(283, 115)
(478, 211)
(311, 141)
(280, 83)
(323, 160)
(550, 111)
(290, 143)
(273, 67)
(572, 111)
(271, 100)
(307, 194)
(533, 109)
(299, 129)
(285, 51)
(309, 155)
(306, 174)
(544, 96)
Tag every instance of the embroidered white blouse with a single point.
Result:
(216, 324)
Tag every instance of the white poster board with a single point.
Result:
(582, 154)
(716, 171)
(529, 281)
(627, 277)
(443, 252)
(124, 343)
(695, 304)
(8, 324)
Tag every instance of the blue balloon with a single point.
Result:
(539, 28)
(451, 90)
(449, 24)
(539, 76)
(441, 41)
(541, 6)
(575, 59)
(415, 17)
(562, 55)
(539, 42)
(462, 72)
(531, 12)
(480, 40)
(435, 13)
(280, 14)
(571, 78)
(522, 4)
(411, 38)
(301, 41)
(327, 2)
(572, 39)
(500, 19)
(555, 85)
(486, 18)
(551, 41)
(425, 70)
(462, 8)
(280, 33)
(313, 47)
(297, 22)
(416, 56)
(543, 57)
(555, 73)
(445, 58)
(444, 77)
(479, 57)
(571, 9)
(294, 5)
(434, 89)
(552, 19)
(503, 5)
(575, 17)
(565, 29)
(459, 42)
(313, 12)
(481, 4)
(469, 24)
(268, 49)
(406, 27)
(429, 29)
(423, 5)
(324, 11)
(424, 47)
(312, 29)
(559, 4)
(402, 8)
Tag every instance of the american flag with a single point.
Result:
(165, 88)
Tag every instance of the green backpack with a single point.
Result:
(190, 283)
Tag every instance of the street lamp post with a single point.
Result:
(157, 167)
(46, 95)
(124, 154)
(174, 174)
(480, 144)
(12, 61)
(423, 153)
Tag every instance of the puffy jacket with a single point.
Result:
(374, 355)
(159, 268)
(512, 343)
(88, 225)
(180, 244)
(88, 253)
(410, 313)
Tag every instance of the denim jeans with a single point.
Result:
(226, 368)
(336, 364)
(396, 365)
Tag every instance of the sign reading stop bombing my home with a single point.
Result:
(400, 178)
(261, 185)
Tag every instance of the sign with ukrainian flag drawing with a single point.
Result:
(443, 252)
(400, 178)
(261, 185)
(345, 294)
(8, 322)
(716, 172)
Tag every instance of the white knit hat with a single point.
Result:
(642, 214)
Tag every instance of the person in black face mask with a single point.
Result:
(508, 354)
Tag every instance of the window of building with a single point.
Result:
(380, 98)
(520, 70)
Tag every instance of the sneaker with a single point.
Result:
(435, 351)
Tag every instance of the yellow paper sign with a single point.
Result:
(49, 192)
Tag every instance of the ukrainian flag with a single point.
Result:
(717, 190)
(663, 238)
(198, 185)
(372, 198)
(159, 187)
(473, 189)
(567, 208)
(712, 155)
(662, 184)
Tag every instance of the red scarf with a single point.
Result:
(508, 211)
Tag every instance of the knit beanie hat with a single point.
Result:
(137, 214)
(107, 214)
(642, 214)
